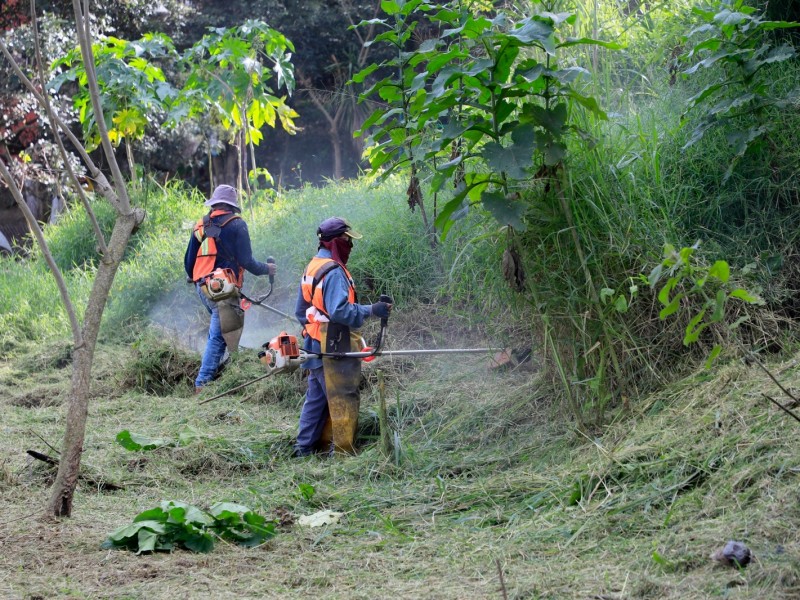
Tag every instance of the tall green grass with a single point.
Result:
(394, 257)
(633, 191)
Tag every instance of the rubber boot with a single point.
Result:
(342, 376)
(231, 322)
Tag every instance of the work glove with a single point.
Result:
(381, 310)
(272, 269)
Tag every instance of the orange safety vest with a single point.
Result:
(206, 260)
(311, 286)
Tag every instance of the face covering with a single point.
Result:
(339, 247)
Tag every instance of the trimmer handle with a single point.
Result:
(271, 261)
(388, 300)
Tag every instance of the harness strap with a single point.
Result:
(320, 274)
(216, 231)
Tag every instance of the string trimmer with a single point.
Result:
(259, 300)
(283, 354)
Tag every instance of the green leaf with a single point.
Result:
(606, 293)
(452, 208)
(715, 352)
(129, 531)
(533, 30)
(772, 25)
(307, 491)
(553, 119)
(154, 514)
(720, 270)
(585, 41)
(515, 159)
(744, 295)
(390, 7)
(663, 295)
(503, 63)
(621, 304)
(655, 275)
(719, 306)
(134, 441)
(203, 543)
(588, 102)
(192, 514)
(671, 308)
(505, 210)
(224, 510)
(703, 94)
(728, 17)
(147, 540)
(364, 73)
(741, 140)
(187, 435)
(709, 44)
(694, 328)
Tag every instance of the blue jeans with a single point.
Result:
(215, 345)
(314, 414)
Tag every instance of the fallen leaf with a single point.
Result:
(318, 519)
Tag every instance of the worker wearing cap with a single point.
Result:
(327, 306)
(231, 250)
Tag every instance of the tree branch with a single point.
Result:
(101, 241)
(77, 336)
(102, 184)
(84, 39)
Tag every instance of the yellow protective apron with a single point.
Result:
(342, 377)
(231, 321)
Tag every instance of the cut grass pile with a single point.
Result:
(486, 474)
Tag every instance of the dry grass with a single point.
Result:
(489, 470)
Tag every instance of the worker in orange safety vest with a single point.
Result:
(327, 306)
(218, 253)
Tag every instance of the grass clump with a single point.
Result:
(158, 366)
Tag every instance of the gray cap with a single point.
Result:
(224, 194)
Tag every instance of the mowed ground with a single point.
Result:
(491, 493)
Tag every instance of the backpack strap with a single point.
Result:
(321, 274)
(214, 230)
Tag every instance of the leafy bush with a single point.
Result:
(176, 524)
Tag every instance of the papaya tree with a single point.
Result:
(487, 106)
(229, 79)
(133, 88)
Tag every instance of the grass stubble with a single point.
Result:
(488, 472)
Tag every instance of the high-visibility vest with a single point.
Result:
(312, 288)
(206, 260)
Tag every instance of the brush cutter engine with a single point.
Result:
(282, 353)
(220, 284)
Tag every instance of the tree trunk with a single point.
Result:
(60, 503)
(225, 167)
(336, 146)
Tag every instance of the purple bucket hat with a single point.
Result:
(224, 194)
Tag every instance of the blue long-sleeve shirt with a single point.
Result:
(335, 295)
(233, 249)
